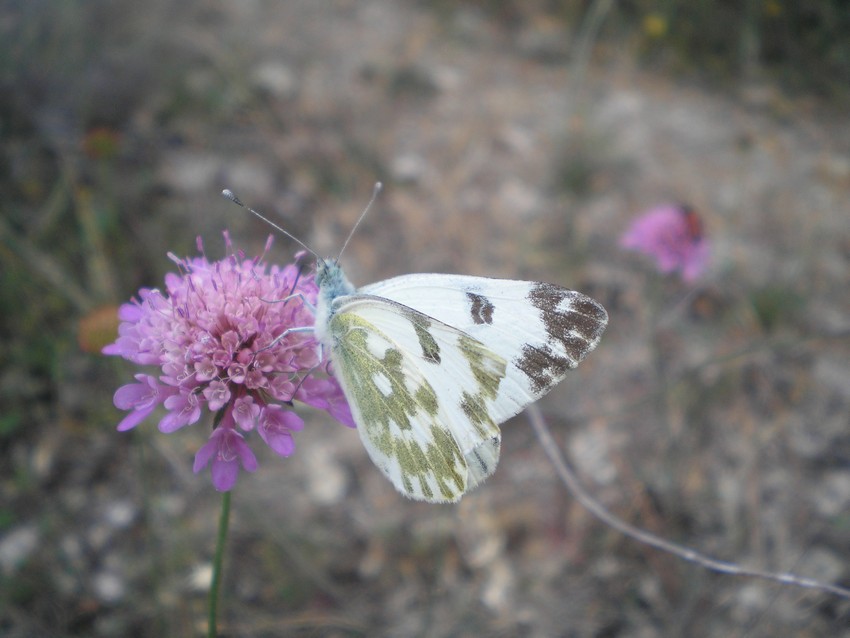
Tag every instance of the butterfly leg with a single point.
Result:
(297, 295)
(283, 335)
(289, 331)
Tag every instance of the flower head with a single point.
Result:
(673, 236)
(218, 334)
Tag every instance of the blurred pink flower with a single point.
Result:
(672, 234)
(212, 334)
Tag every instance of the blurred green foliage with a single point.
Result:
(774, 305)
(801, 45)
(64, 166)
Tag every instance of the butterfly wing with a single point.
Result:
(541, 330)
(422, 393)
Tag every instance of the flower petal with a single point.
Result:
(226, 450)
(134, 418)
(326, 394)
(224, 474)
(276, 426)
(672, 235)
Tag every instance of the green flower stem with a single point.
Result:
(223, 524)
(223, 521)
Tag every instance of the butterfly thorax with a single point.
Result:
(332, 283)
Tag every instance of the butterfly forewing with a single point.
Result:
(423, 395)
(541, 330)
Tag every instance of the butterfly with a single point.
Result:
(431, 364)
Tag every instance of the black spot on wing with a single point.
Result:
(481, 309)
(573, 322)
(542, 366)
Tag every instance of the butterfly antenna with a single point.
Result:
(375, 191)
(229, 194)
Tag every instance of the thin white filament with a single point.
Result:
(570, 480)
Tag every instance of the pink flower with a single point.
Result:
(227, 450)
(673, 236)
(214, 334)
(142, 398)
(326, 394)
(276, 426)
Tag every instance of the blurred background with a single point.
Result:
(514, 139)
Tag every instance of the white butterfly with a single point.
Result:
(432, 364)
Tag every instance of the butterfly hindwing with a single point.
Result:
(541, 330)
(422, 392)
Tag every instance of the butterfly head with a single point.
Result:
(331, 279)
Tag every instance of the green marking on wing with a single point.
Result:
(389, 418)
(488, 370)
(429, 346)
(475, 409)
(427, 399)
(487, 367)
